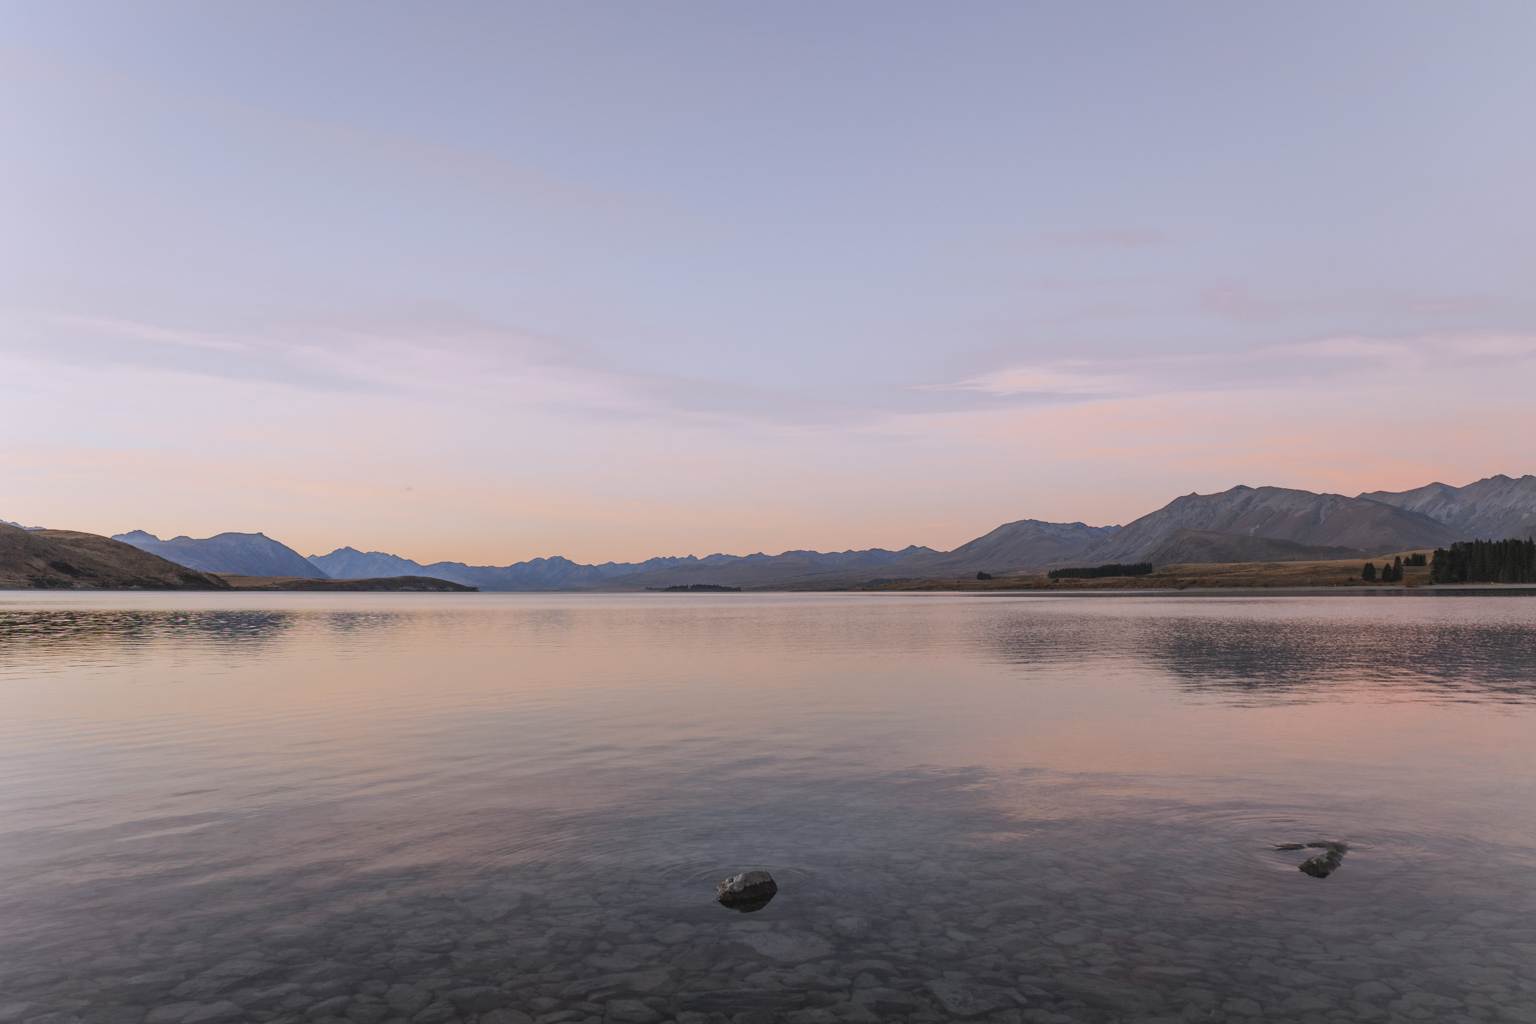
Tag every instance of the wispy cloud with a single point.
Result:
(1064, 379)
(461, 362)
(1328, 359)
(132, 331)
(432, 355)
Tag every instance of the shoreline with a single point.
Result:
(1440, 590)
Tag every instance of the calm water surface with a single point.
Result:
(507, 808)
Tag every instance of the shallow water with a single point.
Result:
(1015, 808)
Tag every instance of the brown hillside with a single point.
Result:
(67, 560)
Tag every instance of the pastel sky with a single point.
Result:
(490, 281)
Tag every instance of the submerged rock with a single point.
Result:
(787, 947)
(746, 892)
(1323, 864)
(962, 997)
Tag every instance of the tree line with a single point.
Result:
(1485, 561)
(1091, 572)
(1391, 572)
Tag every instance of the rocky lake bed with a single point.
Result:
(1055, 951)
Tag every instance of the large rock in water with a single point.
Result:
(748, 891)
(1323, 864)
(1327, 862)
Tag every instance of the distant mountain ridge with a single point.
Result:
(1236, 525)
(1027, 543)
(558, 573)
(801, 569)
(1280, 513)
(1495, 508)
(239, 554)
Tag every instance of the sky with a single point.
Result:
(493, 281)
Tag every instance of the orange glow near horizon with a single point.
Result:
(428, 491)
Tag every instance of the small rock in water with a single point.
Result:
(1327, 862)
(746, 892)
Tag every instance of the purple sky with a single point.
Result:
(494, 281)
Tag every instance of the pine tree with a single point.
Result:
(1369, 572)
(1485, 561)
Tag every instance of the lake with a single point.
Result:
(503, 808)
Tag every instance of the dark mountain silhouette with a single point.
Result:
(1026, 544)
(1279, 513)
(563, 574)
(64, 559)
(241, 554)
(555, 573)
(797, 569)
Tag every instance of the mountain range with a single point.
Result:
(1241, 524)
(1499, 506)
(244, 554)
(1276, 513)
